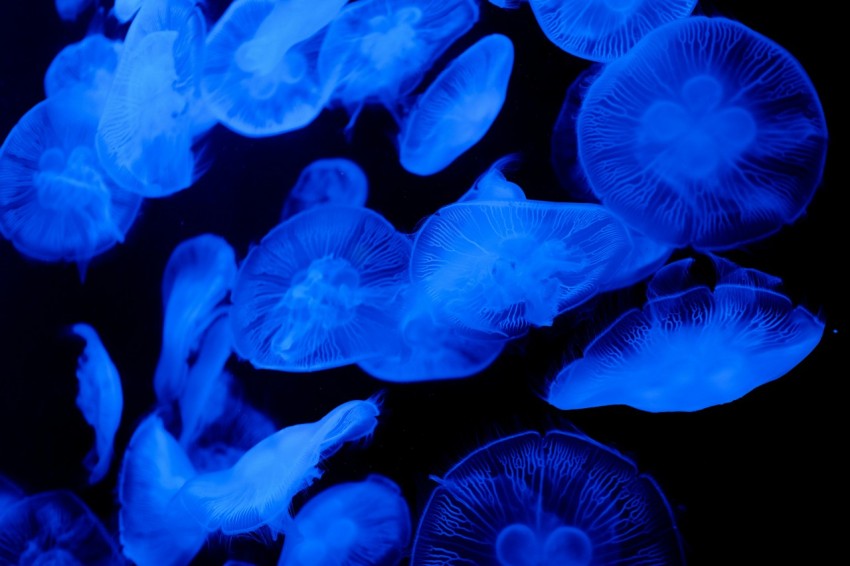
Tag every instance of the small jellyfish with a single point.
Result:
(492, 184)
(88, 65)
(528, 500)
(705, 134)
(691, 346)
(499, 267)
(327, 181)
(56, 201)
(70, 10)
(364, 523)
(458, 108)
(100, 399)
(258, 490)
(602, 30)
(320, 291)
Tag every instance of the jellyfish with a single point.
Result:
(260, 75)
(125, 10)
(155, 529)
(603, 30)
(56, 201)
(88, 65)
(70, 10)
(9, 494)
(492, 184)
(100, 399)
(555, 499)
(258, 489)
(365, 523)
(54, 527)
(320, 291)
(378, 50)
(458, 108)
(705, 134)
(500, 267)
(327, 181)
(691, 347)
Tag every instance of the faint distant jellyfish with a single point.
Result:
(458, 108)
(602, 30)
(364, 523)
(705, 134)
(100, 399)
(260, 75)
(70, 10)
(691, 347)
(327, 181)
(88, 66)
(320, 291)
(258, 490)
(500, 267)
(559, 499)
(54, 527)
(492, 184)
(56, 201)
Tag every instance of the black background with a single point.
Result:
(755, 481)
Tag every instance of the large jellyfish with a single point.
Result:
(327, 181)
(704, 134)
(100, 399)
(56, 201)
(320, 291)
(258, 490)
(499, 267)
(364, 523)
(458, 108)
(561, 498)
(602, 30)
(88, 66)
(691, 347)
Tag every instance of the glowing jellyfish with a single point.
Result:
(320, 291)
(691, 347)
(499, 267)
(492, 184)
(258, 490)
(561, 498)
(378, 50)
(155, 528)
(56, 201)
(327, 181)
(88, 65)
(54, 527)
(705, 134)
(70, 10)
(125, 10)
(602, 30)
(100, 399)
(458, 108)
(364, 523)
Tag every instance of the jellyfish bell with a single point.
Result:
(88, 65)
(327, 181)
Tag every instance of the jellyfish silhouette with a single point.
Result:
(458, 108)
(320, 290)
(561, 498)
(88, 65)
(704, 134)
(327, 181)
(602, 30)
(56, 201)
(100, 399)
(691, 347)
(54, 527)
(70, 10)
(499, 267)
(257, 491)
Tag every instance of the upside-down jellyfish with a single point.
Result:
(691, 346)
(327, 181)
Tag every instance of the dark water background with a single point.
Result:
(753, 482)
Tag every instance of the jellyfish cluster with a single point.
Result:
(371, 231)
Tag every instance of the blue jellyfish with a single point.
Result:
(458, 108)
(365, 523)
(320, 291)
(100, 399)
(260, 75)
(56, 201)
(9, 494)
(125, 10)
(155, 529)
(54, 527)
(258, 489)
(602, 30)
(378, 50)
(327, 181)
(492, 184)
(88, 65)
(705, 134)
(70, 10)
(499, 267)
(691, 346)
(529, 499)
